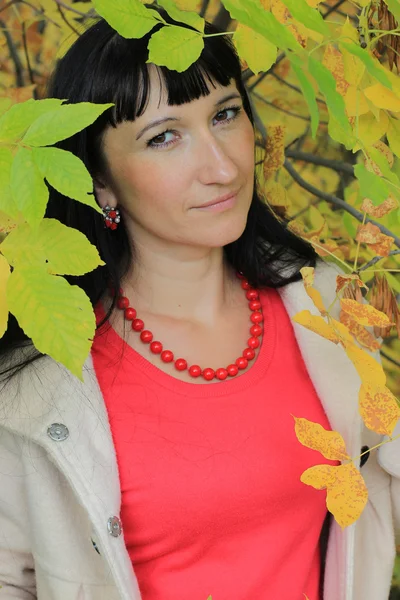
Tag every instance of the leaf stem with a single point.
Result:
(215, 34)
(377, 446)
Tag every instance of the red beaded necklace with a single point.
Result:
(208, 374)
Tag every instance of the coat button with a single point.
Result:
(114, 526)
(58, 432)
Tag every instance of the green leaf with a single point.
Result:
(4, 276)
(175, 47)
(310, 17)
(393, 136)
(334, 101)
(183, 16)
(308, 92)
(7, 204)
(371, 185)
(252, 14)
(61, 250)
(337, 133)
(66, 173)
(19, 117)
(30, 193)
(372, 65)
(57, 316)
(383, 164)
(258, 52)
(4, 104)
(129, 17)
(349, 225)
(61, 124)
(394, 8)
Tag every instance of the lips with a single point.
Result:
(219, 200)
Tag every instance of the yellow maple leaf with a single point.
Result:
(312, 435)
(347, 493)
(379, 409)
(4, 275)
(365, 314)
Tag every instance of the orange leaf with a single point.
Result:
(333, 60)
(369, 370)
(369, 234)
(379, 409)
(383, 247)
(363, 337)
(312, 435)
(347, 493)
(379, 211)
(275, 149)
(341, 281)
(365, 314)
(317, 324)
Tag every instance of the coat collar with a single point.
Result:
(87, 458)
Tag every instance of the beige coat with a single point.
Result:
(60, 493)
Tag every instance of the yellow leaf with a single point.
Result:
(370, 130)
(355, 102)
(382, 97)
(341, 331)
(276, 194)
(379, 409)
(275, 149)
(342, 280)
(317, 324)
(363, 337)
(347, 493)
(393, 135)
(368, 369)
(4, 275)
(256, 50)
(308, 279)
(312, 435)
(365, 314)
(353, 67)
(333, 61)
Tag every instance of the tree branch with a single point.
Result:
(337, 201)
(294, 87)
(19, 69)
(333, 8)
(64, 18)
(392, 360)
(336, 165)
(376, 259)
(28, 62)
(8, 5)
(288, 112)
(204, 6)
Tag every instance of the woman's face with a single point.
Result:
(160, 174)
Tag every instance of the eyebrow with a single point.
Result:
(165, 119)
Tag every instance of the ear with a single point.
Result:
(104, 195)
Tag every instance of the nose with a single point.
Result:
(214, 162)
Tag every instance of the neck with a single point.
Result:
(197, 289)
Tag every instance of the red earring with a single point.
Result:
(111, 217)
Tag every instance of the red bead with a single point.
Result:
(241, 362)
(195, 371)
(232, 370)
(113, 225)
(146, 336)
(123, 302)
(248, 353)
(108, 223)
(254, 304)
(112, 214)
(252, 295)
(208, 374)
(256, 330)
(180, 364)
(245, 284)
(256, 317)
(137, 324)
(156, 347)
(221, 373)
(130, 313)
(167, 356)
(253, 342)
(239, 275)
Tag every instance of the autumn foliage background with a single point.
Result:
(307, 174)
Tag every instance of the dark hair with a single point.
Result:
(101, 67)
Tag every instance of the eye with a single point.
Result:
(224, 114)
(158, 141)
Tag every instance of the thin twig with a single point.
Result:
(293, 87)
(71, 8)
(263, 75)
(7, 5)
(19, 69)
(392, 360)
(341, 13)
(333, 8)
(336, 165)
(28, 62)
(288, 112)
(336, 201)
(64, 18)
(376, 259)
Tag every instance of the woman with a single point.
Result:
(173, 471)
